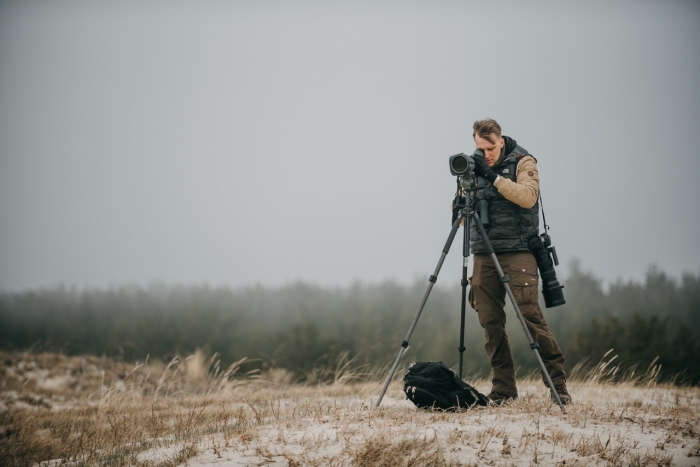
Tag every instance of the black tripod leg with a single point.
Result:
(465, 282)
(504, 280)
(432, 280)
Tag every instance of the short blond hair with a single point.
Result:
(487, 127)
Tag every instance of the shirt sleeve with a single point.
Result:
(525, 189)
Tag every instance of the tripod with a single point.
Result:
(468, 184)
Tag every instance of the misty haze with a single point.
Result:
(217, 221)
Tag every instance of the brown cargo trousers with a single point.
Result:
(487, 297)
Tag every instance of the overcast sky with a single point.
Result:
(264, 142)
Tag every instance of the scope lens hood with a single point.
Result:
(460, 164)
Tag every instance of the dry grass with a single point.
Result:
(92, 411)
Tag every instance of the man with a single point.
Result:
(509, 182)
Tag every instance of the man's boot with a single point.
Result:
(563, 394)
(497, 398)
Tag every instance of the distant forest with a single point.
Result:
(304, 328)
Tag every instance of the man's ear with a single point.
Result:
(503, 141)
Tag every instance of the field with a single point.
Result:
(87, 410)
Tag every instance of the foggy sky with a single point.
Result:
(242, 143)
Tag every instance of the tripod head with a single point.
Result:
(463, 166)
(467, 182)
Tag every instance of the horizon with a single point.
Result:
(417, 281)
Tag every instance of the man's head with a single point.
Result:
(487, 136)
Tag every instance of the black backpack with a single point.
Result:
(433, 385)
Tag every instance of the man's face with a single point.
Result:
(492, 151)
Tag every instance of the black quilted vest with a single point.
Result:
(510, 225)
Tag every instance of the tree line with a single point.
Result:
(302, 328)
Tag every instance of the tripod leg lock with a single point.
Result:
(465, 282)
(404, 344)
(461, 348)
(534, 346)
(505, 279)
(432, 279)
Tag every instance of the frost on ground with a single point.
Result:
(97, 411)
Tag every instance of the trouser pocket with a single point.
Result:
(524, 278)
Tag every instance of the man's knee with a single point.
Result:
(486, 297)
(533, 315)
(491, 319)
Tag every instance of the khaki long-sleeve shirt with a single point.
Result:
(524, 191)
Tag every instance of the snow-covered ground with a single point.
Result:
(605, 426)
(157, 414)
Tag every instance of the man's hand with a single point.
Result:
(482, 169)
